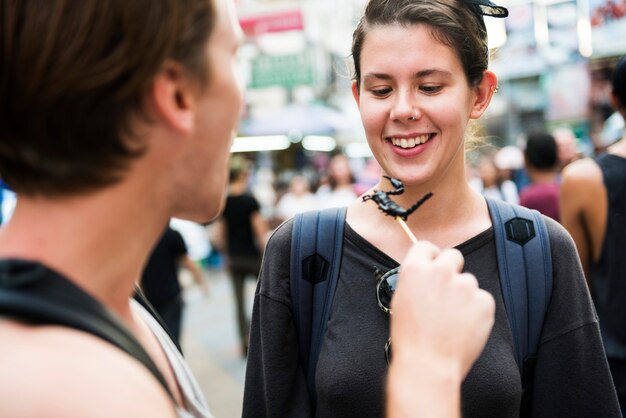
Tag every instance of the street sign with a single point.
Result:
(275, 22)
(282, 70)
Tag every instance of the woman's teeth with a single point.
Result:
(409, 142)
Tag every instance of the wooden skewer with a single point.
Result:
(409, 233)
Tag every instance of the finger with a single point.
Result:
(451, 257)
(422, 251)
(468, 280)
(488, 302)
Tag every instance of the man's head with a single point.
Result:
(566, 145)
(74, 78)
(541, 152)
(619, 85)
(239, 169)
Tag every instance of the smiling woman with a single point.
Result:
(421, 75)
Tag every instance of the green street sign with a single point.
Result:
(282, 70)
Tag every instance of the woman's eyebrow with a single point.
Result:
(377, 76)
(432, 71)
(419, 74)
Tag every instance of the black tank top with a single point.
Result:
(608, 275)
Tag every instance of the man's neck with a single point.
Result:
(98, 241)
(237, 188)
(542, 176)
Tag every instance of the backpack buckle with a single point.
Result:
(519, 230)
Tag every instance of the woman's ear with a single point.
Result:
(355, 94)
(483, 93)
(171, 97)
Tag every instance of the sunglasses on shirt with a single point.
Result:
(385, 288)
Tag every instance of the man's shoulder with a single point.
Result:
(57, 371)
(581, 170)
(581, 183)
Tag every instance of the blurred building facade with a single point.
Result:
(553, 58)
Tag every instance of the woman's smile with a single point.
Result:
(409, 141)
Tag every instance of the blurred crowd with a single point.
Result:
(526, 173)
(259, 199)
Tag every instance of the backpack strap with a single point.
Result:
(316, 247)
(525, 267)
(33, 293)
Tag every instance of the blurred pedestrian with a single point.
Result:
(510, 162)
(338, 189)
(160, 280)
(298, 198)
(491, 183)
(542, 165)
(567, 148)
(593, 204)
(241, 234)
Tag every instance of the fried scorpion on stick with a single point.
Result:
(391, 208)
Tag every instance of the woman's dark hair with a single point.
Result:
(452, 22)
(73, 76)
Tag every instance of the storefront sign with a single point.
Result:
(608, 27)
(282, 70)
(275, 22)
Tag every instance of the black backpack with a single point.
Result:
(33, 293)
(524, 264)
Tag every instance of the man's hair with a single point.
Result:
(73, 75)
(541, 151)
(619, 81)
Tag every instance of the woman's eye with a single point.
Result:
(430, 89)
(381, 92)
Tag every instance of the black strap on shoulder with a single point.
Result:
(316, 246)
(33, 293)
(525, 267)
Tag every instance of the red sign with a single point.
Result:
(275, 22)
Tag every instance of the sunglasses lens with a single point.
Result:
(385, 289)
(388, 351)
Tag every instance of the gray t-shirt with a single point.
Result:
(571, 376)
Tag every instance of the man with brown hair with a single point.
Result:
(114, 117)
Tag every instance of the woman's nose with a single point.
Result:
(405, 109)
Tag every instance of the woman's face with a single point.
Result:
(415, 103)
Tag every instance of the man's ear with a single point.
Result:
(355, 94)
(483, 93)
(171, 97)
